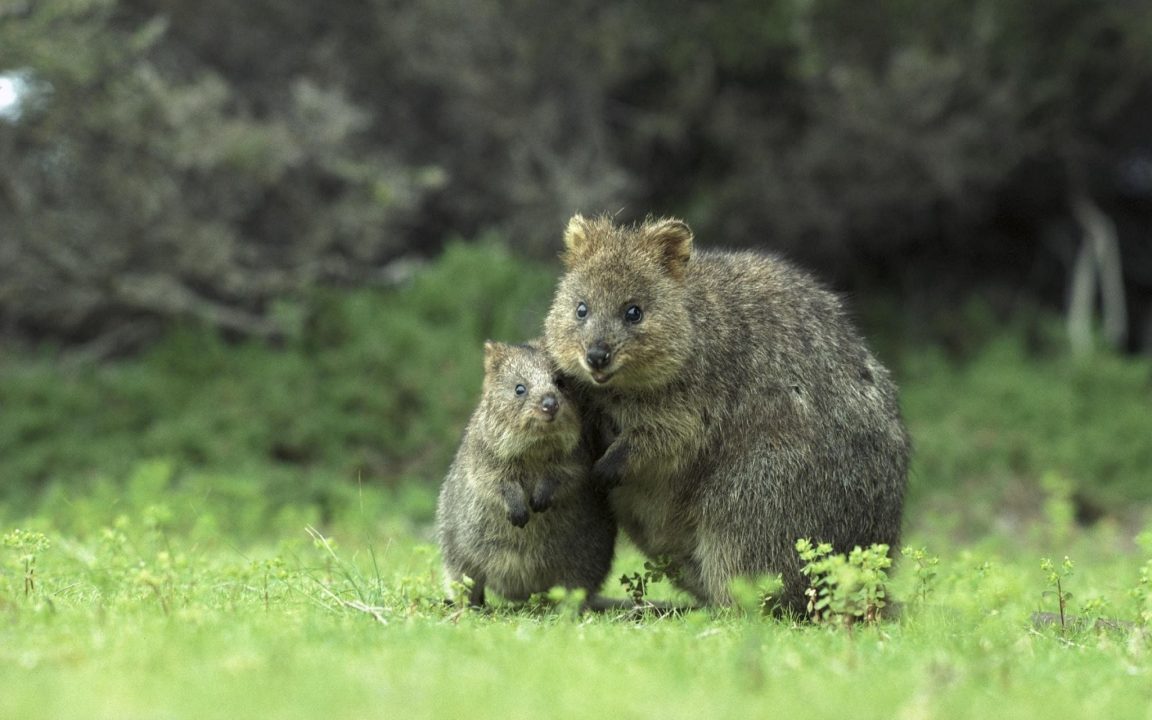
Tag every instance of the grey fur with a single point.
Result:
(517, 513)
(747, 411)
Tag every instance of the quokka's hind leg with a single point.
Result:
(476, 594)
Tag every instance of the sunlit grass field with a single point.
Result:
(144, 609)
(231, 531)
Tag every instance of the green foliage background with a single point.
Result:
(203, 161)
(374, 385)
(241, 336)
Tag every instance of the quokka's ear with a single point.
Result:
(580, 240)
(494, 354)
(672, 239)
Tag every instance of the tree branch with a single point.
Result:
(1097, 264)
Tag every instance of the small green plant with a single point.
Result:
(567, 601)
(845, 589)
(1096, 610)
(27, 545)
(269, 570)
(160, 577)
(460, 591)
(1056, 579)
(924, 568)
(1142, 593)
(756, 595)
(658, 570)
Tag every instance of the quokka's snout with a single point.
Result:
(598, 355)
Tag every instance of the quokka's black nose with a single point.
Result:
(550, 404)
(598, 356)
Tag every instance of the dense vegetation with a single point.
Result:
(214, 530)
(203, 160)
(373, 387)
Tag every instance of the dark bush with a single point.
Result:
(200, 160)
(150, 189)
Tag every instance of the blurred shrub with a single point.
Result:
(1006, 415)
(150, 190)
(200, 160)
(926, 145)
(376, 385)
(512, 101)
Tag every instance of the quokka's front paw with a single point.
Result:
(519, 517)
(538, 504)
(608, 471)
(542, 496)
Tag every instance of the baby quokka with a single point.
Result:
(517, 513)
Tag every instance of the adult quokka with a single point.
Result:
(745, 410)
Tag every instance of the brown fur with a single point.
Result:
(747, 411)
(517, 512)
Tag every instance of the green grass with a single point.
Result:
(175, 492)
(147, 609)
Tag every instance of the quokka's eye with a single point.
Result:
(520, 389)
(581, 310)
(633, 314)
